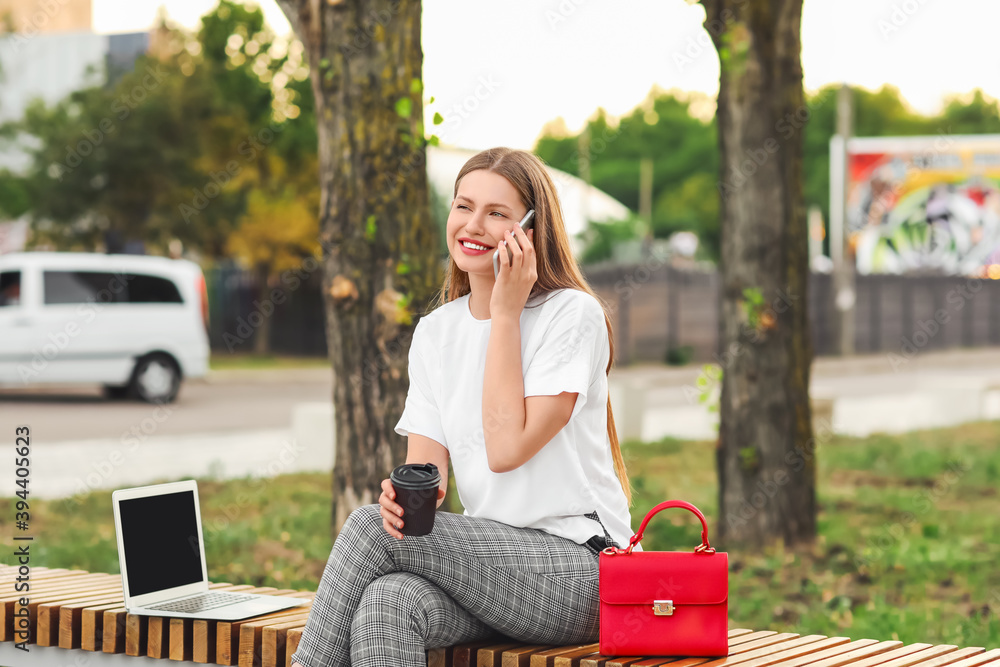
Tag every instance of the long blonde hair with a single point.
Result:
(556, 266)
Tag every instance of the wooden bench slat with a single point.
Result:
(740, 642)
(491, 654)
(521, 656)
(787, 646)
(157, 641)
(987, 659)
(292, 645)
(736, 636)
(60, 585)
(573, 660)
(75, 609)
(854, 656)
(180, 633)
(627, 661)
(750, 637)
(38, 595)
(810, 648)
(65, 619)
(949, 658)
(135, 634)
(10, 573)
(113, 630)
(203, 631)
(91, 627)
(287, 592)
(548, 657)
(273, 641)
(94, 634)
(46, 612)
(251, 652)
(463, 653)
(227, 633)
(745, 647)
(906, 655)
(836, 649)
(204, 641)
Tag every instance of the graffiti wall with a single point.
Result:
(927, 205)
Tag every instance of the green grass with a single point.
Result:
(909, 535)
(250, 361)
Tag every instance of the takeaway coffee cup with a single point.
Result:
(416, 486)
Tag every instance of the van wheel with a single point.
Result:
(156, 379)
(115, 392)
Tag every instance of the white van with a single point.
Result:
(135, 324)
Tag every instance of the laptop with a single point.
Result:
(162, 558)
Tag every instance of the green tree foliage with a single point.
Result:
(684, 151)
(14, 200)
(177, 147)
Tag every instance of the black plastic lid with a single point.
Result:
(416, 476)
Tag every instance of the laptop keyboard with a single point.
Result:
(202, 602)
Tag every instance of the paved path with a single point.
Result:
(865, 394)
(239, 423)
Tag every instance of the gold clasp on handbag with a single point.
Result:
(663, 607)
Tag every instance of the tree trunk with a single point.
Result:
(766, 453)
(380, 256)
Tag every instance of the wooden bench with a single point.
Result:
(77, 618)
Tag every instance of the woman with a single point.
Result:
(508, 381)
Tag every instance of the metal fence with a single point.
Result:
(658, 311)
(238, 310)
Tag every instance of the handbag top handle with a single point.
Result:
(704, 547)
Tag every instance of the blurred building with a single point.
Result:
(28, 17)
(51, 52)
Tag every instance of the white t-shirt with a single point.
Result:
(564, 347)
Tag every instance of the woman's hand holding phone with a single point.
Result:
(514, 280)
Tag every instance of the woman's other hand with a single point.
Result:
(392, 512)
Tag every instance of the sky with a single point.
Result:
(500, 71)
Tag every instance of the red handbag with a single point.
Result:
(664, 603)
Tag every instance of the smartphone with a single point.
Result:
(527, 222)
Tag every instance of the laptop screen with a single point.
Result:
(161, 541)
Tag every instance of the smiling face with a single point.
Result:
(487, 205)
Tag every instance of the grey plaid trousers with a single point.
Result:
(383, 601)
